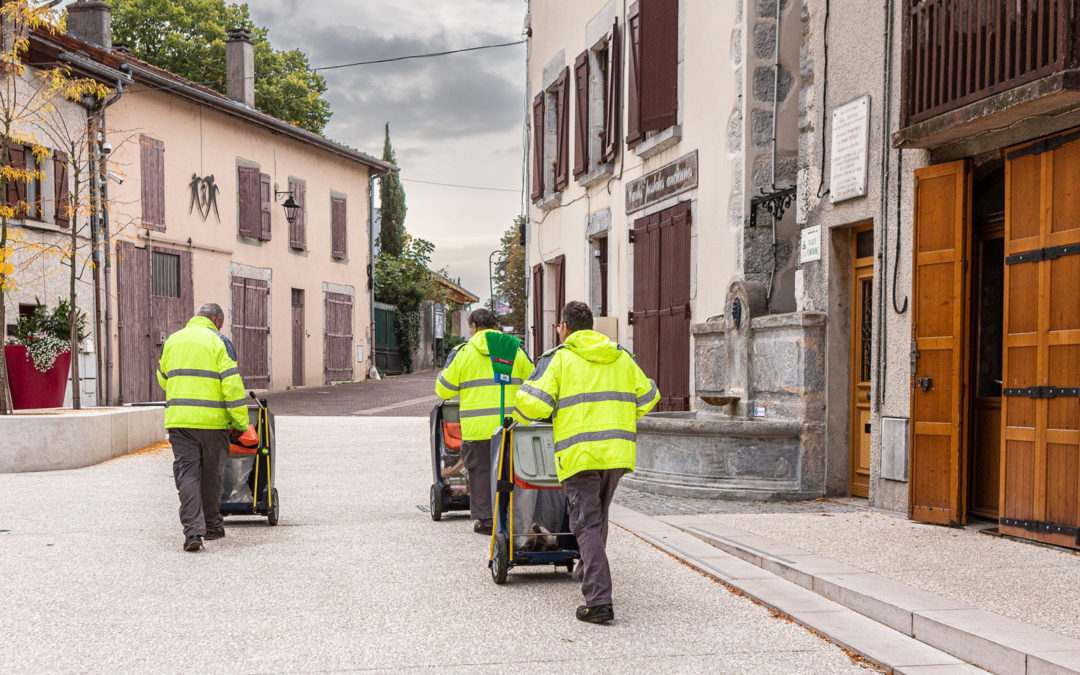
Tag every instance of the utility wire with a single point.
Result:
(467, 187)
(418, 56)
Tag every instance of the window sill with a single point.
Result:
(40, 226)
(599, 173)
(658, 142)
(549, 201)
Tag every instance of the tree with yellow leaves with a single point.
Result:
(32, 104)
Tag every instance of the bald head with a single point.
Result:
(212, 311)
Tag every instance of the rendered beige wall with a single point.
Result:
(204, 142)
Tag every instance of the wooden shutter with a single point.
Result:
(634, 134)
(940, 291)
(613, 96)
(248, 187)
(152, 164)
(61, 189)
(337, 344)
(251, 330)
(298, 229)
(562, 139)
(538, 309)
(266, 203)
(1040, 459)
(558, 269)
(646, 313)
(338, 246)
(673, 321)
(659, 64)
(581, 119)
(538, 147)
(16, 189)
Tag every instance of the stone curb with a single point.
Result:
(974, 635)
(876, 642)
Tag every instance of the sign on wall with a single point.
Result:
(850, 139)
(679, 176)
(811, 244)
(440, 320)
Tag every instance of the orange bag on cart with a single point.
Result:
(246, 443)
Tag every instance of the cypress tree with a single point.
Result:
(391, 206)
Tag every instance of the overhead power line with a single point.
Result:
(467, 187)
(419, 56)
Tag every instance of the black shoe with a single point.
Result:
(482, 528)
(214, 533)
(192, 543)
(598, 614)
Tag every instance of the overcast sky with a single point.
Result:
(453, 119)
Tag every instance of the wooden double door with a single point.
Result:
(1039, 441)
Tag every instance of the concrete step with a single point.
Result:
(974, 635)
(882, 645)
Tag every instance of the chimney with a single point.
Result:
(240, 67)
(91, 20)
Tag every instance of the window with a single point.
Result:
(653, 53)
(25, 312)
(16, 189)
(598, 267)
(338, 238)
(165, 275)
(255, 197)
(152, 164)
(551, 137)
(597, 87)
(60, 189)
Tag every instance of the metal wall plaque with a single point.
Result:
(811, 244)
(679, 176)
(850, 139)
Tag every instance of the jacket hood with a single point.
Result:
(480, 341)
(592, 346)
(202, 321)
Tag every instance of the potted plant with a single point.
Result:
(38, 356)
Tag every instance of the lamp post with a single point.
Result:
(491, 282)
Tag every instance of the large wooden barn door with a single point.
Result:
(1040, 485)
(251, 330)
(939, 357)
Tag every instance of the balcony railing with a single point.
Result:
(960, 51)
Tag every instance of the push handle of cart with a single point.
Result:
(261, 402)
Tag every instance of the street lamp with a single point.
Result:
(491, 282)
(291, 207)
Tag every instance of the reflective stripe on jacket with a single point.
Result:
(202, 384)
(468, 375)
(595, 392)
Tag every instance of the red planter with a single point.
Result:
(31, 388)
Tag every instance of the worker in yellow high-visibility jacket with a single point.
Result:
(204, 399)
(595, 392)
(468, 374)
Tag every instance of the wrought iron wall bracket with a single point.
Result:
(775, 203)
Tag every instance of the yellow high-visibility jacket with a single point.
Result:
(594, 392)
(468, 375)
(202, 384)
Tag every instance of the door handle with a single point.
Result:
(924, 383)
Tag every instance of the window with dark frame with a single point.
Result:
(165, 275)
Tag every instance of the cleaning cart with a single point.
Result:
(450, 493)
(247, 487)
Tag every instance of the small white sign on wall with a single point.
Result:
(850, 139)
(811, 244)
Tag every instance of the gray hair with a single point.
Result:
(212, 311)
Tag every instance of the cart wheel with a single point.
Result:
(570, 566)
(272, 516)
(500, 561)
(436, 502)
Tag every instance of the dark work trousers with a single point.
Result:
(589, 495)
(477, 457)
(199, 457)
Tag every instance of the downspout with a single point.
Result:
(371, 269)
(103, 168)
(883, 280)
(775, 105)
(95, 247)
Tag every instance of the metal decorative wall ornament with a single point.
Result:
(776, 203)
(204, 195)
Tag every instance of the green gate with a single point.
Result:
(387, 354)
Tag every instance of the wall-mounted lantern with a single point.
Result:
(291, 207)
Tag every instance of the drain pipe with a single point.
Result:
(775, 95)
(878, 401)
(106, 236)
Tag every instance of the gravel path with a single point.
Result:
(356, 577)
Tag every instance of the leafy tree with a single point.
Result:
(188, 39)
(32, 103)
(406, 282)
(391, 205)
(510, 277)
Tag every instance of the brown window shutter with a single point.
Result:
(538, 147)
(60, 189)
(613, 96)
(298, 229)
(338, 231)
(247, 186)
(562, 139)
(634, 134)
(559, 270)
(16, 189)
(152, 164)
(538, 309)
(266, 201)
(659, 64)
(581, 119)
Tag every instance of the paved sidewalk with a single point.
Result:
(411, 395)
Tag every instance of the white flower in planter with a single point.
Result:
(43, 348)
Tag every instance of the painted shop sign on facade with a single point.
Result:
(679, 176)
(850, 138)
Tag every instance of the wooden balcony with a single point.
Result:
(965, 61)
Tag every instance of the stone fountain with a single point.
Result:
(757, 427)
